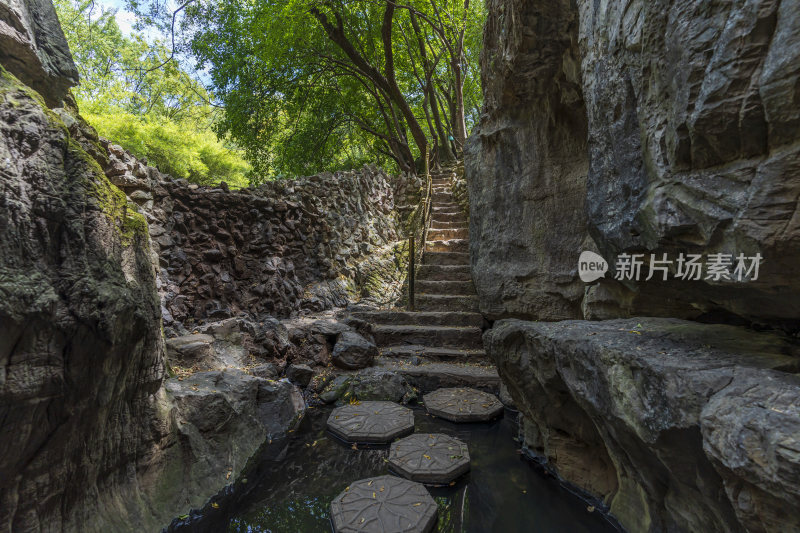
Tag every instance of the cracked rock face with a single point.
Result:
(284, 248)
(674, 425)
(34, 49)
(637, 126)
(81, 353)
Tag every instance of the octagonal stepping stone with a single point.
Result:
(463, 405)
(384, 504)
(429, 458)
(374, 422)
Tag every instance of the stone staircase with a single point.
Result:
(446, 325)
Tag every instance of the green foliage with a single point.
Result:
(298, 102)
(138, 95)
(193, 155)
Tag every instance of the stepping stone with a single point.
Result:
(375, 422)
(384, 504)
(429, 458)
(463, 405)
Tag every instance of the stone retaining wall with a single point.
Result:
(283, 248)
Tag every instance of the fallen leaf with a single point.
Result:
(215, 505)
(590, 508)
(354, 446)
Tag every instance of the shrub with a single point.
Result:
(177, 149)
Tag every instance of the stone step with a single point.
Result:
(447, 206)
(445, 287)
(432, 458)
(433, 353)
(443, 336)
(448, 212)
(449, 225)
(451, 245)
(461, 404)
(445, 258)
(442, 197)
(444, 273)
(442, 234)
(430, 318)
(461, 370)
(458, 217)
(403, 502)
(445, 302)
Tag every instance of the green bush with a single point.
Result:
(177, 149)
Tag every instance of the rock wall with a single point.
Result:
(34, 49)
(285, 247)
(646, 127)
(80, 339)
(526, 163)
(643, 127)
(674, 425)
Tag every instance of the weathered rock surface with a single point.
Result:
(369, 384)
(80, 342)
(33, 48)
(676, 426)
(353, 351)
(285, 247)
(222, 419)
(636, 126)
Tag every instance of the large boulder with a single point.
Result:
(33, 48)
(352, 351)
(674, 425)
(222, 419)
(636, 126)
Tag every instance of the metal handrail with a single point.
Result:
(413, 249)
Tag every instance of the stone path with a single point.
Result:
(371, 422)
(463, 405)
(446, 326)
(384, 504)
(429, 458)
(444, 333)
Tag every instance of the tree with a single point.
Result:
(138, 94)
(329, 83)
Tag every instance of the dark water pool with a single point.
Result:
(502, 493)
